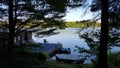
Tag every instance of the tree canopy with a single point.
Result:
(114, 14)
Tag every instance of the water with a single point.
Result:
(68, 37)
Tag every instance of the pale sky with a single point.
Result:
(77, 15)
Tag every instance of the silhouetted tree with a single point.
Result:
(30, 11)
(11, 25)
(113, 7)
(102, 59)
(45, 13)
(102, 54)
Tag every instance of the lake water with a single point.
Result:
(68, 37)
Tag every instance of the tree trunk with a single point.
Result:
(11, 26)
(102, 59)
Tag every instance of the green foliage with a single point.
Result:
(92, 38)
(29, 50)
(32, 44)
(19, 13)
(114, 14)
(58, 5)
(21, 57)
(55, 64)
(114, 37)
(114, 60)
(3, 24)
(30, 54)
(82, 24)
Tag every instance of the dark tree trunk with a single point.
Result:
(11, 25)
(102, 59)
(26, 36)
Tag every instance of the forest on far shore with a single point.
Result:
(68, 24)
(82, 24)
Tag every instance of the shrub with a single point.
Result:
(21, 57)
(114, 60)
(56, 64)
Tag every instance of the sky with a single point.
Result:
(78, 15)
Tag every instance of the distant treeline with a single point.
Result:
(82, 24)
(76, 24)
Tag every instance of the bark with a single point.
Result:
(102, 59)
(11, 26)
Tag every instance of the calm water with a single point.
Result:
(68, 37)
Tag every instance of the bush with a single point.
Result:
(114, 60)
(30, 60)
(56, 64)
(21, 57)
(30, 53)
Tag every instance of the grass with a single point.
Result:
(56, 64)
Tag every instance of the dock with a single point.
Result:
(50, 48)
